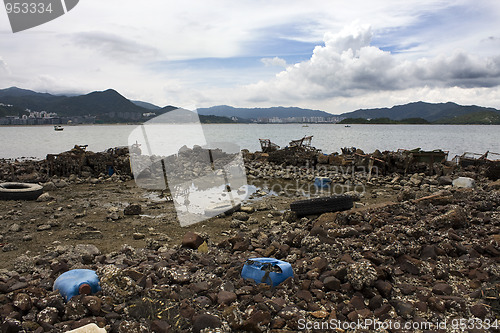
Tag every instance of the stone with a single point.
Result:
(247, 209)
(428, 252)
(138, 236)
(192, 240)
(445, 180)
(375, 302)
(442, 289)
(93, 303)
(241, 216)
(478, 310)
(15, 228)
(23, 302)
(332, 283)
(226, 297)
(403, 309)
(47, 316)
(464, 182)
(160, 326)
(384, 288)
(133, 209)
(257, 319)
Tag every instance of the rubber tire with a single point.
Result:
(322, 205)
(20, 191)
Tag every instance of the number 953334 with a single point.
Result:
(28, 8)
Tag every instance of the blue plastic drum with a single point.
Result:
(267, 270)
(76, 282)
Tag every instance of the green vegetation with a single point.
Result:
(383, 121)
(216, 120)
(479, 118)
(6, 111)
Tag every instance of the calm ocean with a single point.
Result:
(38, 141)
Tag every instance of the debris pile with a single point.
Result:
(78, 161)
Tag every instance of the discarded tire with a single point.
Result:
(20, 191)
(322, 205)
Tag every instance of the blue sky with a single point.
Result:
(335, 56)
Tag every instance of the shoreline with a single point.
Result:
(413, 248)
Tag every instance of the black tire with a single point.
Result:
(20, 191)
(322, 205)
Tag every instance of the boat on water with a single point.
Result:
(58, 128)
(305, 125)
(347, 125)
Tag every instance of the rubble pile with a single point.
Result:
(426, 260)
(77, 162)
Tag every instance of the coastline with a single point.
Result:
(413, 248)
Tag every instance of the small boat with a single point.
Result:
(58, 128)
(347, 125)
(305, 125)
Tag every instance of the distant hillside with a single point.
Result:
(28, 99)
(6, 111)
(479, 118)
(383, 121)
(96, 103)
(146, 105)
(428, 111)
(255, 113)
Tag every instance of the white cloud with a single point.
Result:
(347, 65)
(276, 61)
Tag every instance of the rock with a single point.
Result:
(192, 240)
(138, 235)
(478, 310)
(361, 274)
(257, 320)
(49, 186)
(332, 283)
(23, 302)
(416, 179)
(428, 252)
(247, 209)
(444, 180)
(44, 197)
(93, 304)
(241, 216)
(89, 234)
(160, 326)
(464, 182)
(15, 228)
(442, 289)
(403, 309)
(375, 302)
(384, 288)
(75, 309)
(47, 316)
(455, 218)
(226, 297)
(133, 209)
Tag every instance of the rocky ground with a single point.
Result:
(414, 249)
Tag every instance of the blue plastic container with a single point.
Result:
(322, 182)
(267, 270)
(77, 282)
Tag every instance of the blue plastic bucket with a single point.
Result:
(267, 270)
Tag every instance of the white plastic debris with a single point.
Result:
(464, 182)
(90, 328)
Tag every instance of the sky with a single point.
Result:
(335, 56)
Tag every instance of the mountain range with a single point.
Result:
(111, 106)
(256, 113)
(438, 112)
